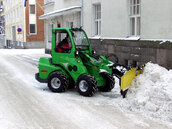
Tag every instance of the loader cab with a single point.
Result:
(66, 42)
(62, 45)
(81, 40)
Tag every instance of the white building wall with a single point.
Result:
(114, 18)
(156, 19)
(49, 8)
(88, 17)
(61, 4)
(32, 2)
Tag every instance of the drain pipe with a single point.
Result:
(81, 13)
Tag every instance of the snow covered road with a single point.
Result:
(28, 104)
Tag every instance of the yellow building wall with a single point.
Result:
(15, 16)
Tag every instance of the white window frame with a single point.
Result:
(97, 19)
(21, 12)
(134, 13)
(17, 14)
(33, 2)
(11, 17)
(14, 15)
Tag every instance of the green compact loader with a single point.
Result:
(75, 64)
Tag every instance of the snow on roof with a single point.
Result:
(63, 11)
(115, 38)
(132, 38)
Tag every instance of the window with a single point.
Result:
(32, 28)
(134, 15)
(11, 16)
(80, 39)
(97, 21)
(17, 11)
(63, 42)
(14, 17)
(32, 9)
(21, 10)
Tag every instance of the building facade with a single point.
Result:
(68, 13)
(23, 28)
(2, 17)
(129, 18)
(138, 28)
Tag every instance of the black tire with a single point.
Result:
(71, 83)
(110, 82)
(86, 85)
(58, 82)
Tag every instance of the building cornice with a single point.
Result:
(48, 4)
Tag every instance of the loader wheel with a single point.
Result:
(57, 82)
(86, 85)
(110, 82)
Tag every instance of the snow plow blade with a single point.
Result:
(127, 79)
(125, 74)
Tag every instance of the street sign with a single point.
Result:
(19, 31)
(1, 9)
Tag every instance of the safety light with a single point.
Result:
(59, 23)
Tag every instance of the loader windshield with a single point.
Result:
(80, 39)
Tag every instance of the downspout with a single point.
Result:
(81, 13)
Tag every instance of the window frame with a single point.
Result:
(35, 23)
(97, 19)
(62, 32)
(35, 29)
(30, 12)
(134, 13)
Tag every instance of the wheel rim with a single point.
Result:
(55, 83)
(83, 86)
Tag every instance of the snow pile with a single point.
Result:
(151, 93)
